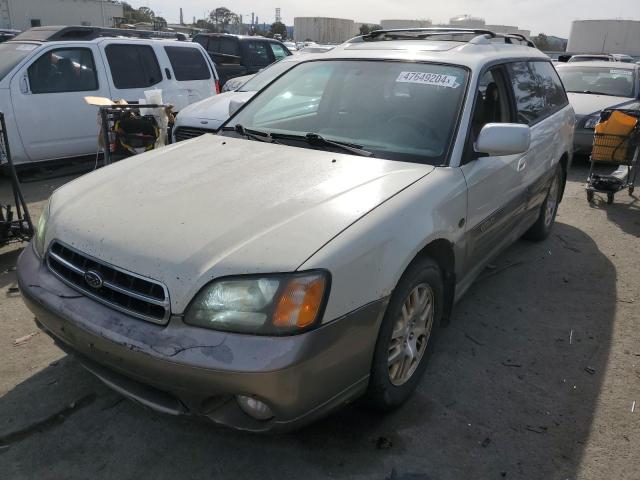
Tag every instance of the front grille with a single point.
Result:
(186, 133)
(124, 291)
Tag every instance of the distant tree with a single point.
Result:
(133, 15)
(278, 28)
(222, 17)
(366, 28)
(146, 14)
(542, 42)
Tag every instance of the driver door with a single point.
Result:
(48, 94)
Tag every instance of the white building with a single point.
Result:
(391, 24)
(605, 36)
(323, 30)
(24, 14)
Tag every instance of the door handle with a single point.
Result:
(24, 85)
(522, 164)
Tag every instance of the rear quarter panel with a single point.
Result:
(368, 258)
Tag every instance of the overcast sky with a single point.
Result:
(553, 17)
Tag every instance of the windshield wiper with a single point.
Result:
(253, 134)
(592, 92)
(319, 140)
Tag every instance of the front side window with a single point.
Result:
(258, 54)
(614, 81)
(188, 63)
(133, 66)
(492, 102)
(278, 51)
(63, 70)
(396, 110)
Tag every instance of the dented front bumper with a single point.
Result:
(179, 369)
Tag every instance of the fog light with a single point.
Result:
(254, 407)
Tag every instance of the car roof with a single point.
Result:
(145, 41)
(603, 64)
(467, 54)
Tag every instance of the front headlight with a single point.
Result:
(591, 121)
(41, 231)
(265, 305)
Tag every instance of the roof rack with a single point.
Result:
(481, 35)
(57, 33)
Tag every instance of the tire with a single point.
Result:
(391, 384)
(548, 210)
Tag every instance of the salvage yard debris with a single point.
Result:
(22, 340)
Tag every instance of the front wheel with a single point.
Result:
(406, 336)
(548, 210)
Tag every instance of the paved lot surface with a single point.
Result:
(534, 378)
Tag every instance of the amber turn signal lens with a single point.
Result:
(300, 302)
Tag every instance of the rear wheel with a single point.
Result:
(406, 336)
(549, 208)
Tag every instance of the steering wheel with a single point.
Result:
(418, 125)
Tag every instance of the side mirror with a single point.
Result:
(235, 104)
(497, 139)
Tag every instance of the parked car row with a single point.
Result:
(593, 86)
(316, 244)
(46, 72)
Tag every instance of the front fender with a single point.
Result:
(367, 259)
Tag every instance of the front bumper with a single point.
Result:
(180, 369)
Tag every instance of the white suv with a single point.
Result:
(307, 254)
(46, 72)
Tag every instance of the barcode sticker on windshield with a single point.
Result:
(434, 79)
(621, 72)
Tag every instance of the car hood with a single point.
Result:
(586, 104)
(217, 206)
(212, 108)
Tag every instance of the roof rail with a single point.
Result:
(57, 33)
(424, 33)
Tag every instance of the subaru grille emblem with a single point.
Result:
(93, 279)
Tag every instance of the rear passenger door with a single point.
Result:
(132, 68)
(190, 73)
(540, 101)
(496, 188)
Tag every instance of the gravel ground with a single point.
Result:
(534, 378)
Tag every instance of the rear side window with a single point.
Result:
(550, 86)
(278, 51)
(188, 63)
(225, 46)
(63, 70)
(537, 89)
(529, 101)
(258, 54)
(133, 66)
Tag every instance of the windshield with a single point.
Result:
(396, 110)
(618, 82)
(11, 54)
(265, 76)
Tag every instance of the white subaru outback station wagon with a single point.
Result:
(307, 254)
